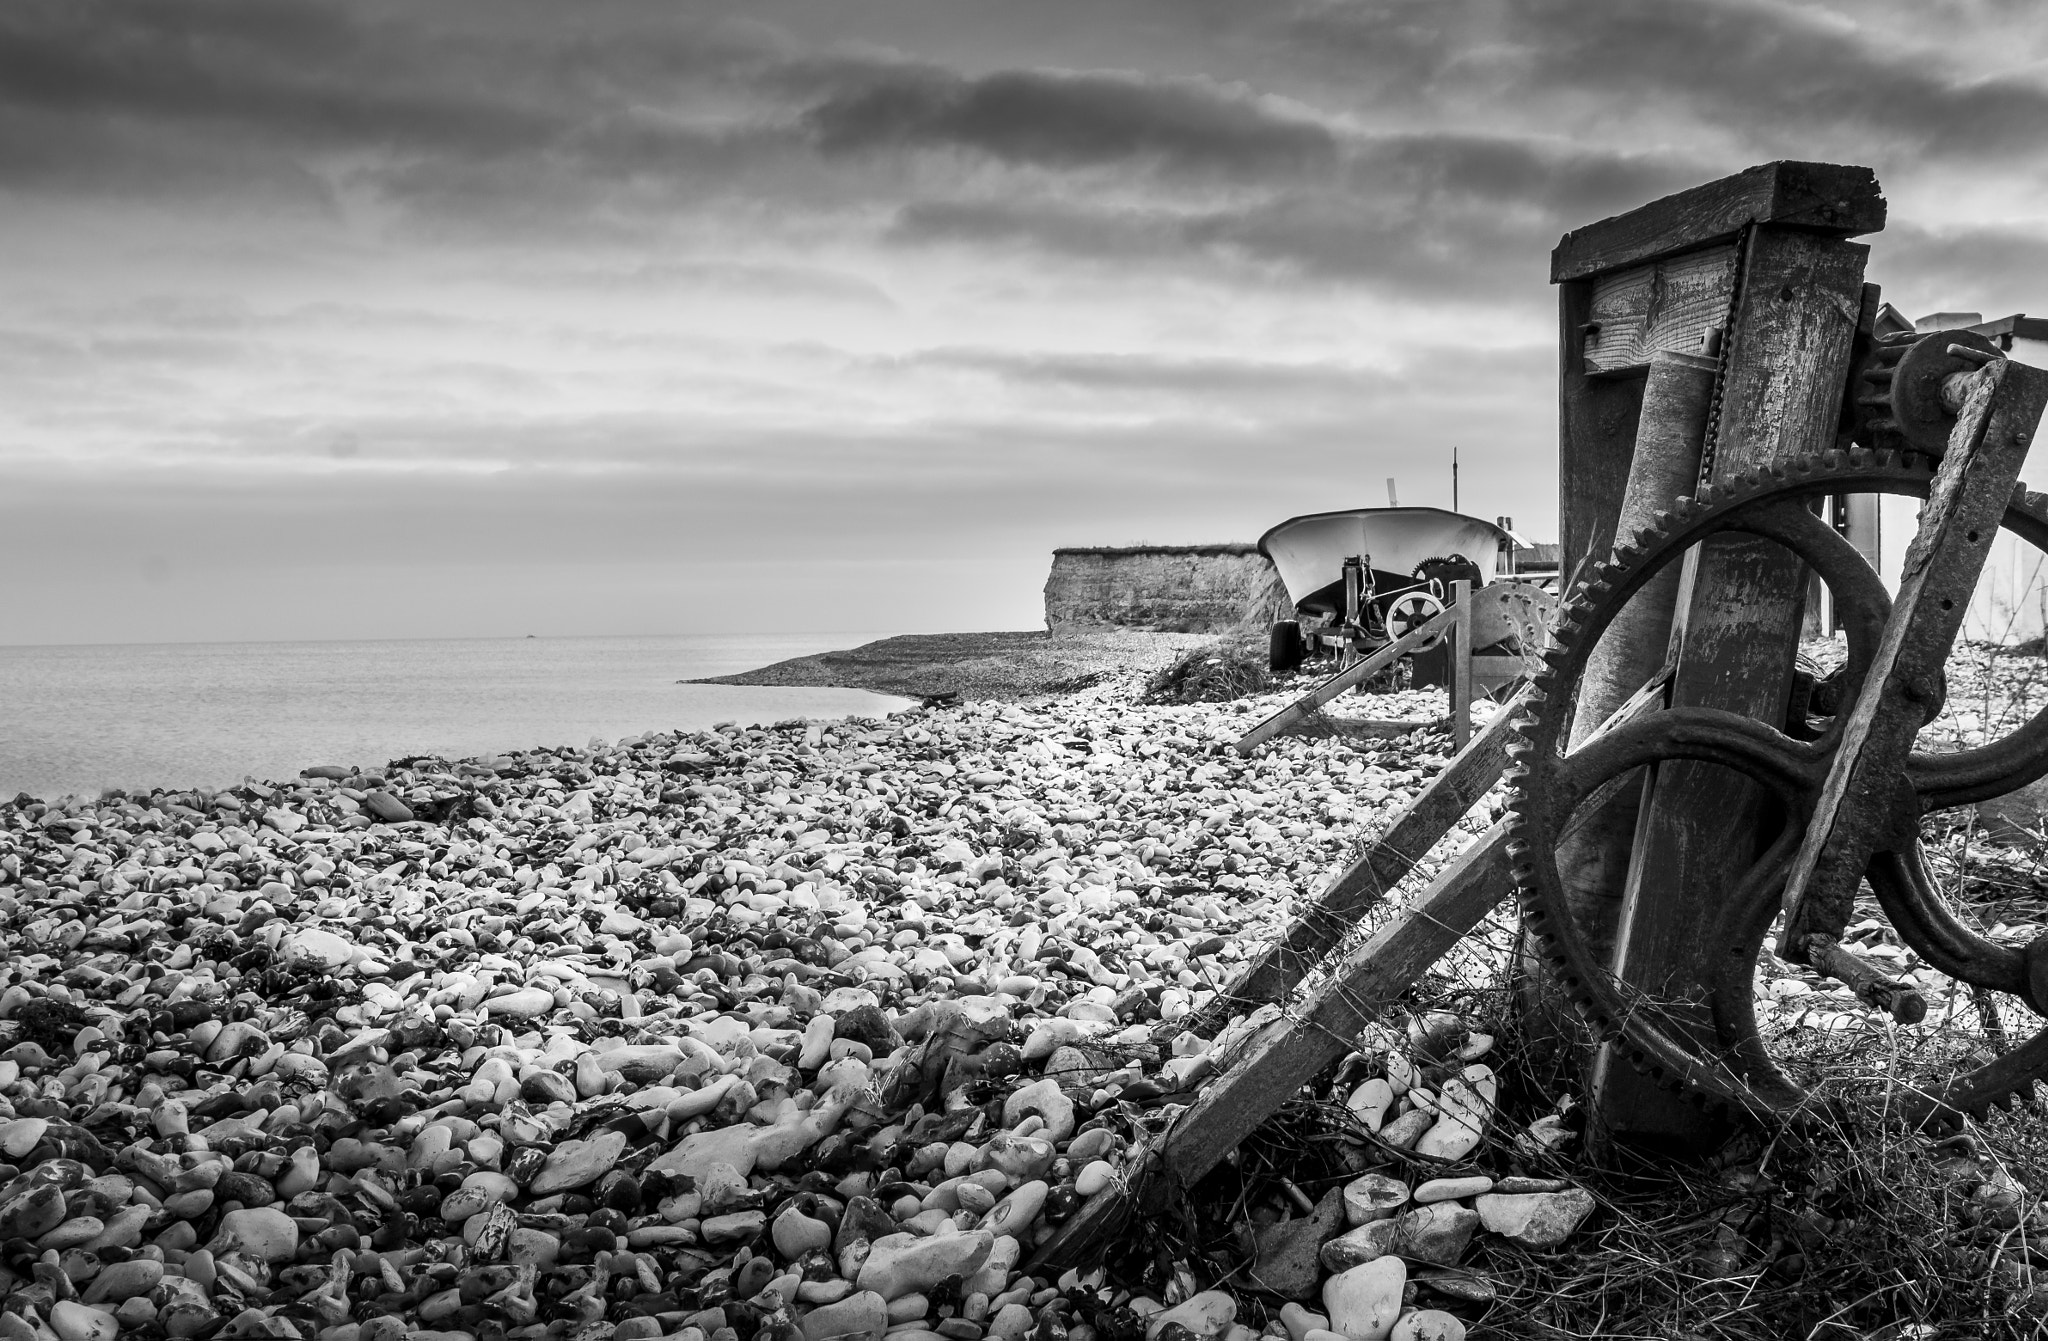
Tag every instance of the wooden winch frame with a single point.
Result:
(1753, 283)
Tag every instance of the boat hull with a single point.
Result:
(1309, 551)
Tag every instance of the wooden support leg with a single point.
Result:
(1329, 689)
(1788, 348)
(1594, 866)
(1461, 664)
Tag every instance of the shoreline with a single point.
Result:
(1007, 666)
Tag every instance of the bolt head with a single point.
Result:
(2020, 438)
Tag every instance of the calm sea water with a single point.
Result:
(77, 719)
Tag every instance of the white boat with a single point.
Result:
(1394, 543)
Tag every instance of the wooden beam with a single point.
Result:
(1360, 988)
(1827, 198)
(1343, 680)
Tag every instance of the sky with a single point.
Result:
(441, 318)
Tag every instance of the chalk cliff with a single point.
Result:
(1185, 588)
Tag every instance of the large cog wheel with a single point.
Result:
(1734, 1073)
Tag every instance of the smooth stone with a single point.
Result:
(1012, 1322)
(1370, 1101)
(641, 1063)
(1452, 1189)
(1535, 1219)
(262, 1232)
(1374, 1196)
(1014, 1214)
(122, 1281)
(1363, 1301)
(899, 1264)
(864, 1315)
(18, 1136)
(1403, 1131)
(1097, 1177)
(695, 1156)
(1045, 1099)
(33, 1213)
(1428, 1324)
(574, 1164)
(1472, 1287)
(524, 1004)
(317, 947)
(795, 1234)
(738, 1227)
(1300, 1321)
(73, 1321)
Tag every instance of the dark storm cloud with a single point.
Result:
(1058, 119)
(1786, 74)
(276, 68)
(1453, 215)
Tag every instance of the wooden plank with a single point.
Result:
(1788, 352)
(1279, 967)
(1596, 434)
(1341, 681)
(1827, 198)
(1356, 728)
(1290, 1051)
(1664, 305)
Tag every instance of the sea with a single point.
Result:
(76, 720)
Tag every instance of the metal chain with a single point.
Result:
(1728, 328)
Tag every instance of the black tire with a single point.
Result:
(1286, 649)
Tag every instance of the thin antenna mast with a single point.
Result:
(1454, 479)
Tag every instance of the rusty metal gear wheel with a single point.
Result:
(1897, 389)
(1735, 1073)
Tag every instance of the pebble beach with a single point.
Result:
(816, 1030)
(808, 1030)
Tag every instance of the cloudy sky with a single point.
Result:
(401, 319)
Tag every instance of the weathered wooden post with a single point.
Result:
(1755, 267)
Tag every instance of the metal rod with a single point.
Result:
(1901, 1000)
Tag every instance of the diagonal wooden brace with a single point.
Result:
(1279, 967)
(1867, 805)
(1345, 679)
(1360, 987)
